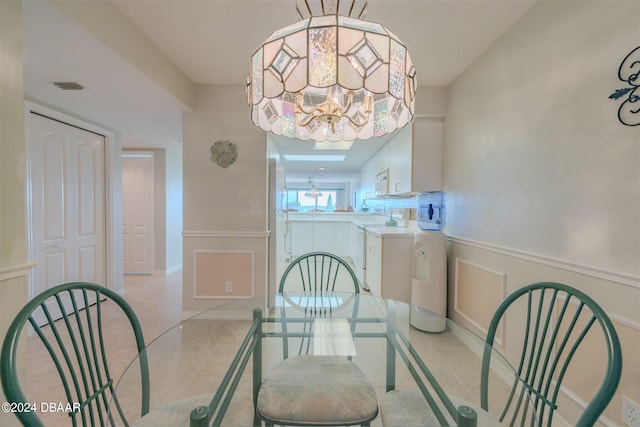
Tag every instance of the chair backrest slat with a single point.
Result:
(75, 343)
(319, 272)
(552, 334)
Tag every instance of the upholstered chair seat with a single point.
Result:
(317, 390)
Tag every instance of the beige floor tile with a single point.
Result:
(157, 300)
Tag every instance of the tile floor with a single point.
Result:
(157, 300)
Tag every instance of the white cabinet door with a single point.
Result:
(373, 275)
(400, 162)
(341, 239)
(301, 238)
(427, 155)
(367, 180)
(414, 159)
(323, 237)
(369, 171)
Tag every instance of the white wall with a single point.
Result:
(217, 201)
(542, 180)
(174, 207)
(535, 157)
(14, 265)
(168, 209)
(107, 23)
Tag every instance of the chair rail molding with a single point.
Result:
(16, 270)
(613, 276)
(224, 233)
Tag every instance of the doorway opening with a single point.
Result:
(138, 202)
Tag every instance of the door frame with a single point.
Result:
(113, 194)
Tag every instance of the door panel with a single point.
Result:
(138, 210)
(86, 191)
(67, 182)
(52, 180)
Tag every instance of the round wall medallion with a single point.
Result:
(224, 153)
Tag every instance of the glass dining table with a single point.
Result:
(208, 369)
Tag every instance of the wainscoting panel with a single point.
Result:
(617, 293)
(587, 368)
(478, 292)
(223, 274)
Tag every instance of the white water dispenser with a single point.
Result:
(429, 279)
(429, 282)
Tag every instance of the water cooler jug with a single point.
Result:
(429, 279)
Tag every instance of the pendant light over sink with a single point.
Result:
(331, 76)
(313, 192)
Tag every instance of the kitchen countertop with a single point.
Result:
(393, 231)
(373, 223)
(334, 216)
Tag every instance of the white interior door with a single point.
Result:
(67, 182)
(138, 210)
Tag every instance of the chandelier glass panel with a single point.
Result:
(332, 76)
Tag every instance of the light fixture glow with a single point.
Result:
(314, 157)
(331, 76)
(313, 192)
(333, 145)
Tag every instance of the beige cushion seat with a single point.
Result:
(317, 390)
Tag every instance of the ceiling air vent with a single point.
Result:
(68, 85)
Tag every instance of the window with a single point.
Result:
(331, 198)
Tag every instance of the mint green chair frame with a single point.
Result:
(547, 351)
(76, 346)
(318, 271)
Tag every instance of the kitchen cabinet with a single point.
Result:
(301, 238)
(357, 250)
(341, 238)
(319, 236)
(323, 237)
(370, 170)
(389, 265)
(400, 161)
(373, 275)
(413, 158)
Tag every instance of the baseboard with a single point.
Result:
(173, 269)
(219, 314)
(167, 271)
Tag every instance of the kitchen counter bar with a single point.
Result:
(372, 222)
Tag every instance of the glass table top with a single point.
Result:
(188, 363)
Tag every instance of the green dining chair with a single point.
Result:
(69, 322)
(550, 321)
(319, 271)
(311, 389)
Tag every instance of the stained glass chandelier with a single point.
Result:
(331, 76)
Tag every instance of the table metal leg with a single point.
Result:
(467, 416)
(257, 364)
(199, 417)
(391, 351)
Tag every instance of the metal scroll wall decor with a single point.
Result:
(629, 72)
(224, 153)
